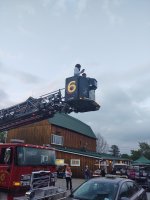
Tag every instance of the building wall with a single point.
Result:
(40, 133)
(36, 133)
(74, 139)
(77, 171)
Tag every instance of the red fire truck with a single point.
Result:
(18, 161)
(22, 166)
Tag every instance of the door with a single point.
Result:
(5, 167)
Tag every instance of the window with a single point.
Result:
(124, 191)
(128, 189)
(28, 156)
(75, 162)
(56, 139)
(132, 188)
(96, 190)
(6, 155)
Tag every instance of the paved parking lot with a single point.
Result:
(75, 183)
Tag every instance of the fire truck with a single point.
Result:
(28, 171)
(18, 161)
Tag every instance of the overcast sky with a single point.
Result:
(42, 40)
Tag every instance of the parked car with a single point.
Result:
(60, 171)
(112, 188)
(142, 176)
(131, 172)
(120, 169)
(61, 175)
(96, 173)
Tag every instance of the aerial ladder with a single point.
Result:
(78, 96)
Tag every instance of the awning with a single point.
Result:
(141, 161)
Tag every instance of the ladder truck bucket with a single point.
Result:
(80, 93)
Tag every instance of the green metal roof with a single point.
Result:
(81, 152)
(141, 161)
(89, 153)
(71, 123)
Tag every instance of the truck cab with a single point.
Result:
(120, 169)
(18, 161)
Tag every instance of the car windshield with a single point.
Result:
(28, 156)
(119, 167)
(96, 190)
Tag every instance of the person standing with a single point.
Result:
(68, 175)
(87, 173)
(77, 69)
(103, 173)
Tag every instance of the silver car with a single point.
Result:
(109, 188)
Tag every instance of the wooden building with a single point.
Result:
(74, 141)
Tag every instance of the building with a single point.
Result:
(74, 141)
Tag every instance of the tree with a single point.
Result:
(144, 149)
(135, 154)
(101, 144)
(126, 156)
(115, 150)
(3, 136)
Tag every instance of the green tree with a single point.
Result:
(126, 156)
(135, 154)
(144, 149)
(114, 150)
(3, 136)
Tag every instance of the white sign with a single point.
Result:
(75, 162)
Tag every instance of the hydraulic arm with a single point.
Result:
(77, 98)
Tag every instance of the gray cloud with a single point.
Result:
(109, 7)
(3, 95)
(111, 41)
(26, 77)
(4, 99)
(125, 110)
(22, 76)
